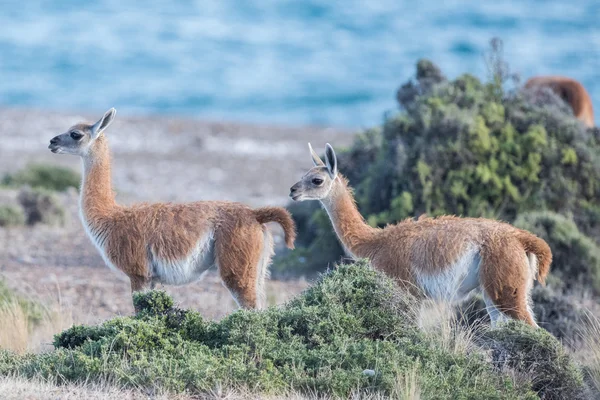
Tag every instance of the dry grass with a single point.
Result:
(589, 354)
(407, 386)
(440, 321)
(13, 388)
(20, 331)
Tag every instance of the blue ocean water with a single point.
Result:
(322, 62)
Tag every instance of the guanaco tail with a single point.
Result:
(171, 243)
(443, 258)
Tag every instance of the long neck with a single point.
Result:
(349, 225)
(97, 197)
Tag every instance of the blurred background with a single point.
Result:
(275, 61)
(218, 99)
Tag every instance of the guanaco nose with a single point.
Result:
(54, 140)
(293, 189)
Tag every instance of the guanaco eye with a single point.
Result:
(317, 181)
(76, 135)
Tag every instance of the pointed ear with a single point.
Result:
(331, 161)
(103, 123)
(315, 157)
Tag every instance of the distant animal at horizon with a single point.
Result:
(443, 258)
(571, 91)
(171, 243)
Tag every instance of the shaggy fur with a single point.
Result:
(444, 258)
(571, 91)
(171, 243)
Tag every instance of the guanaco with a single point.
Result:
(443, 258)
(171, 243)
(571, 91)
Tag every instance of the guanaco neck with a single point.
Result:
(349, 225)
(97, 198)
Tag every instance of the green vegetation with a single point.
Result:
(11, 215)
(37, 201)
(45, 176)
(41, 206)
(540, 356)
(33, 206)
(557, 313)
(352, 320)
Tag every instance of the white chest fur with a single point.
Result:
(99, 240)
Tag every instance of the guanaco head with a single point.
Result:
(319, 180)
(80, 138)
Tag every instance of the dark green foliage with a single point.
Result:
(469, 148)
(41, 206)
(576, 258)
(540, 356)
(11, 215)
(353, 319)
(44, 176)
(152, 302)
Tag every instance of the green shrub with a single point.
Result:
(11, 215)
(41, 206)
(44, 176)
(354, 319)
(538, 355)
(576, 258)
(560, 315)
(152, 302)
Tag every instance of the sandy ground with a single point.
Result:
(154, 159)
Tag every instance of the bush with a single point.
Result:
(44, 176)
(153, 302)
(11, 215)
(560, 315)
(354, 319)
(538, 355)
(42, 206)
(469, 148)
(576, 258)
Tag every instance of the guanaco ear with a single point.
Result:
(103, 123)
(315, 157)
(331, 161)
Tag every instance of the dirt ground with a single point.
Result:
(154, 159)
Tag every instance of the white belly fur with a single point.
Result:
(456, 281)
(188, 269)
